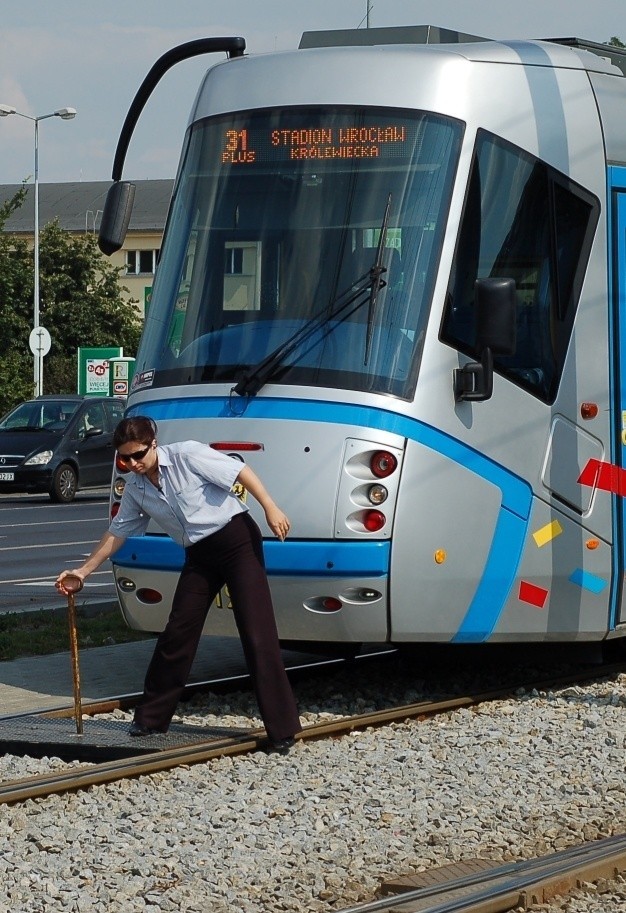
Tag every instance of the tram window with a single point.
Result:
(526, 221)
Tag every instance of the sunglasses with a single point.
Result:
(137, 455)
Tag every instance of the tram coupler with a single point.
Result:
(74, 585)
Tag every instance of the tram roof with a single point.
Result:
(571, 53)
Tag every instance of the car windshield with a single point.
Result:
(273, 240)
(52, 415)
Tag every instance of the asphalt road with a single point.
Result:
(39, 539)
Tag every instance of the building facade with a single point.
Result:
(77, 207)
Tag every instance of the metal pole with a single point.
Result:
(37, 357)
(64, 114)
(369, 9)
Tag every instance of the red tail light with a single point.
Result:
(373, 520)
(383, 464)
(145, 594)
(114, 509)
(121, 466)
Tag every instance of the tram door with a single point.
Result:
(619, 295)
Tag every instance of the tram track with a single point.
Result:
(480, 888)
(86, 776)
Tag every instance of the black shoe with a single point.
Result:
(282, 746)
(136, 729)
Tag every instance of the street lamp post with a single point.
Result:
(39, 332)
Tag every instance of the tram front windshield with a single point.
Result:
(306, 242)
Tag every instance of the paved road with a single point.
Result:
(38, 539)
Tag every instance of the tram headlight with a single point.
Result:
(126, 584)
(377, 494)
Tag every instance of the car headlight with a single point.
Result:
(40, 459)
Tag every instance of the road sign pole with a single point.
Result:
(39, 342)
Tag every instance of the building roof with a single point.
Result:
(78, 206)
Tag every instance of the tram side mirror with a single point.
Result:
(495, 310)
(118, 209)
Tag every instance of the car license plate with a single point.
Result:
(7, 476)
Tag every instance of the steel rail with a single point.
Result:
(504, 886)
(200, 752)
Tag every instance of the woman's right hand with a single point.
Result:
(106, 547)
(59, 581)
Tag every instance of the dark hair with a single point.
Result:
(140, 428)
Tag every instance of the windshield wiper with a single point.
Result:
(371, 282)
(257, 377)
(376, 273)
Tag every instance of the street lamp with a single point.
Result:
(40, 340)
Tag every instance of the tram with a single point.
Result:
(392, 280)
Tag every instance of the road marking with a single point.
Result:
(38, 505)
(26, 580)
(13, 548)
(52, 523)
(48, 583)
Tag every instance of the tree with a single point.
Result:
(616, 42)
(14, 325)
(81, 304)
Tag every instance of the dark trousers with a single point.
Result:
(232, 556)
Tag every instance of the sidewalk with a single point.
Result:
(38, 683)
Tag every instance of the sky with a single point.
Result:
(93, 56)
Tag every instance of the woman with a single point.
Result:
(187, 489)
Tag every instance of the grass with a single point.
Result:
(47, 631)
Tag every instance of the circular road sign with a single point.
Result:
(39, 341)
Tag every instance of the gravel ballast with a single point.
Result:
(321, 827)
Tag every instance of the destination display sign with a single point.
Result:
(251, 145)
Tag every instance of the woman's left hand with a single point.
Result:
(276, 519)
(278, 522)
